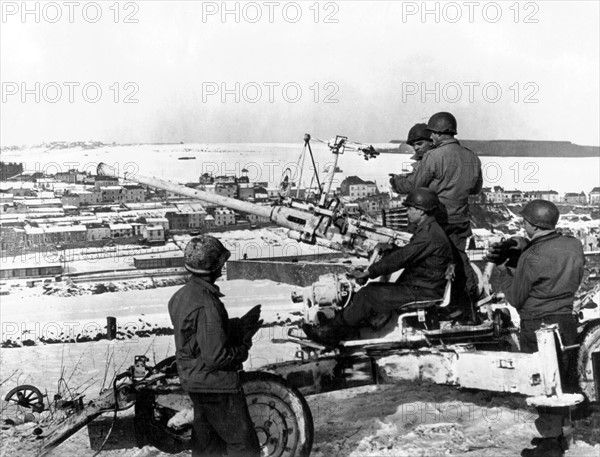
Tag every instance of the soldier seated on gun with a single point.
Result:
(424, 259)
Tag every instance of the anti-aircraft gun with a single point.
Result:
(416, 338)
(414, 344)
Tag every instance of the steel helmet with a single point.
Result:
(422, 198)
(442, 123)
(418, 132)
(541, 213)
(205, 254)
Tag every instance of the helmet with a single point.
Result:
(418, 132)
(422, 198)
(205, 254)
(541, 213)
(442, 123)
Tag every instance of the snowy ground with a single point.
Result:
(410, 419)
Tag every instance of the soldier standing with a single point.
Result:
(547, 275)
(453, 172)
(420, 140)
(210, 350)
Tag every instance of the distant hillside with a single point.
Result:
(525, 148)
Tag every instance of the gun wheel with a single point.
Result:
(585, 368)
(22, 402)
(281, 416)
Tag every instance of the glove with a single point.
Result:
(506, 252)
(249, 332)
(251, 317)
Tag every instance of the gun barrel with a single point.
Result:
(238, 205)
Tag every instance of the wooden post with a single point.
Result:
(111, 327)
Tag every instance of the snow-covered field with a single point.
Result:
(409, 419)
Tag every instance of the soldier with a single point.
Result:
(424, 259)
(548, 272)
(453, 172)
(420, 140)
(542, 287)
(210, 350)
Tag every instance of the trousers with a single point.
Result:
(567, 325)
(222, 426)
(458, 235)
(381, 297)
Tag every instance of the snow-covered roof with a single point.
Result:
(120, 226)
(63, 229)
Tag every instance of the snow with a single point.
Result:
(407, 419)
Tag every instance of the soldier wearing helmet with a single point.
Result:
(424, 260)
(453, 172)
(210, 349)
(547, 274)
(420, 140)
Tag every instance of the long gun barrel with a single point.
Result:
(328, 226)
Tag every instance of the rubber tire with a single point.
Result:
(589, 344)
(264, 391)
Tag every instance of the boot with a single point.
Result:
(545, 447)
(330, 334)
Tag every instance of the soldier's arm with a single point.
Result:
(425, 172)
(215, 348)
(417, 249)
(517, 283)
(403, 184)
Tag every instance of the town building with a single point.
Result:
(229, 190)
(19, 188)
(34, 236)
(104, 181)
(165, 260)
(246, 191)
(10, 170)
(97, 231)
(120, 230)
(158, 221)
(136, 194)
(224, 216)
(594, 196)
(576, 198)
(354, 187)
(177, 221)
(195, 213)
(31, 204)
(72, 176)
(65, 234)
(112, 194)
(153, 233)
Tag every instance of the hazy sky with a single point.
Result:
(382, 66)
